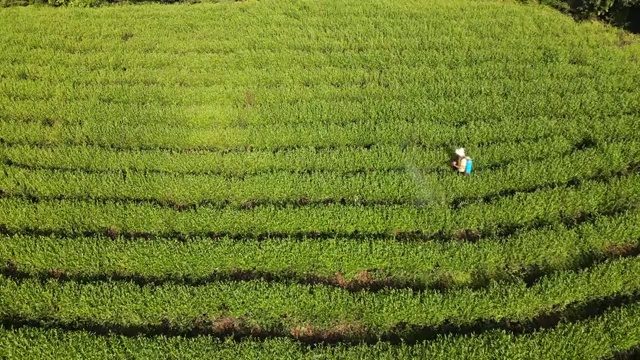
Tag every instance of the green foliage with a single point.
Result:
(623, 13)
(85, 3)
(286, 307)
(549, 250)
(313, 186)
(601, 337)
(281, 169)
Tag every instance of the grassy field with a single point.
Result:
(270, 179)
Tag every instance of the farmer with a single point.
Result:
(463, 164)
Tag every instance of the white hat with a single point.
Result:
(460, 152)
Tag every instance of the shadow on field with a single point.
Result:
(623, 14)
(630, 354)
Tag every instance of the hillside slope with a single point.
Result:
(263, 179)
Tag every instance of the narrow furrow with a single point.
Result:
(344, 160)
(225, 174)
(120, 147)
(461, 201)
(609, 336)
(249, 204)
(276, 148)
(470, 223)
(346, 263)
(370, 281)
(495, 230)
(323, 137)
(184, 192)
(456, 203)
(240, 328)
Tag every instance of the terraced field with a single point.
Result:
(270, 179)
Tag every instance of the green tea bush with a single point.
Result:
(176, 179)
